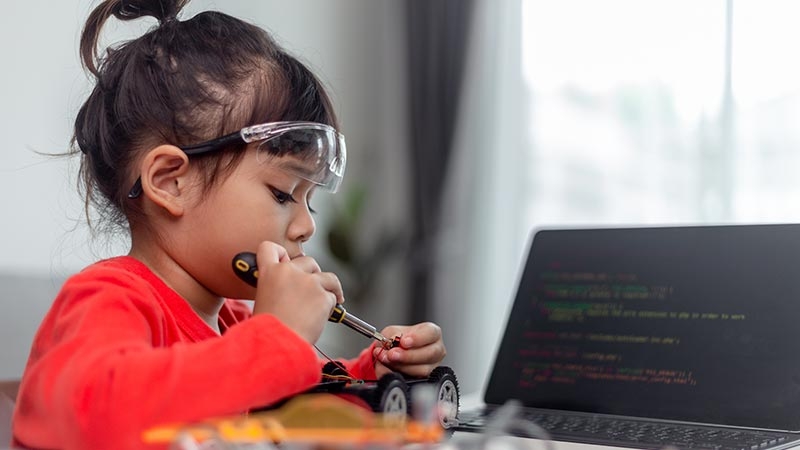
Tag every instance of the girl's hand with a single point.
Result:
(295, 291)
(421, 350)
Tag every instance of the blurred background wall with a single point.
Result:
(469, 125)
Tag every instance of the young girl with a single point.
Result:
(205, 139)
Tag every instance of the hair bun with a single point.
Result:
(162, 10)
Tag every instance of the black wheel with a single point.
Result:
(448, 395)
(390, 397)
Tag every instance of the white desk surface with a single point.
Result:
(460, 441)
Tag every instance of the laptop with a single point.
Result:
(690, 333)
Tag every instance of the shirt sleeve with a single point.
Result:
(362, 367)
(99, 372)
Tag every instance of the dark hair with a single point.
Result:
(181, 83)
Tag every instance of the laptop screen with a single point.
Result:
(698, 324)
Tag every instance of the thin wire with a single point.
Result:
(338, 364)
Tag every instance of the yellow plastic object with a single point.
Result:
(311, 418)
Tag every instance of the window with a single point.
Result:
(661, 112)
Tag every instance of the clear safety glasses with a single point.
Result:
(312, 151)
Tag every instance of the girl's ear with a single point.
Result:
(165, 171)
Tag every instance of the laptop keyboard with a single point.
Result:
(638, 434)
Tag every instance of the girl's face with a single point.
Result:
(256, 202)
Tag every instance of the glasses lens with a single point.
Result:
(313, 153)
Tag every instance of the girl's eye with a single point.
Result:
(282, 197)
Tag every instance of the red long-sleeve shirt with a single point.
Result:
(119, 352)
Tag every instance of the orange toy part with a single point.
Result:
(312, 418)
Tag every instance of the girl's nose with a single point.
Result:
(302, 226)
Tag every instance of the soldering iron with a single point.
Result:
(245, 266)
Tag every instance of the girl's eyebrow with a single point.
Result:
(299, 169)
(296, 170)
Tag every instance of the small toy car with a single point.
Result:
(393, 393)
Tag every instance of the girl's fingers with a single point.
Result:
(414, 336)
(421, 355)
(307, 264)
(330, 282)
(271, 253)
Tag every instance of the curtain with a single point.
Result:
(482, 234)
(437, 42)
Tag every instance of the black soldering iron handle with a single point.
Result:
(244, 265)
